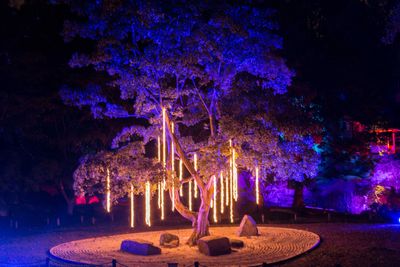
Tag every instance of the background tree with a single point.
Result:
(212, 70)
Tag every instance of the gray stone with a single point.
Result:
(140, 247)
(236, 243)
(247, 227)
(169, 240)
(214, 245)
(172, 244)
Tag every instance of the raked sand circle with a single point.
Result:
(272, 245)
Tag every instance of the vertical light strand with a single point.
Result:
(227, 189)
(221, 178)
(148, 198)
(231, 198)
(190, 195)
(180, 177)
(159, 195)
(215, 199)
(195, 168)
(159, 148)
(132, 207)
(172, 168)
(108, 191)
(231, 183)
(235, 176)
(159, 160)
(164, 159)
(257, 187)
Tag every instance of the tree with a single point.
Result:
(211, 70)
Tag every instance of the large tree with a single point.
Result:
(214, 72)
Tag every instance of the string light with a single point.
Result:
(159, 148)
(132, 207)
(231, 192)
(148, 197)
(108, 192)
(190, 195)
(159, 160)
(221, 178)
(180, 176)
(164, 162)
(215, 199)
(257, 187)
(235, 176)
(227, 189)
(172, 168)
(231, 200)
(195, 168)
(159, 195)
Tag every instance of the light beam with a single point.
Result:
(215, 199)
(132, 207)
(108, 191)
(195, 168)
(257, 187)
(148, 198)
(221, 178)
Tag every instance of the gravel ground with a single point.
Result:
(342, 244)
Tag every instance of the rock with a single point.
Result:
(214, 245)
(236, 243)
(172, 244)
(140, 247)
(169, 240)
(247, 227)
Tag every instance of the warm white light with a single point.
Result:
(159, 148)
(164, 159)
(257, 187)
(221, 178)
(231, 195)
(148, 198)
(159, 194)
(235, 175)
(215, 199)
(195, 168)
(172, 168)
(180, 176)
(190, 195)
(227, 189)
(132, 208)
(108, 192)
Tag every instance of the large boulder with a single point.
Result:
(214, 245)
(247, 227)
(140, 247)
(169, 240)
(236, 243)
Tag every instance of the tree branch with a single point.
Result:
(182, 155)
(182, 209)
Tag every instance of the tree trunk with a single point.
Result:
(70, 201)
(298, 200)
(70, 207)
(201, 227)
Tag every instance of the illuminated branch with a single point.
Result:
(182, 155)
(182, 209)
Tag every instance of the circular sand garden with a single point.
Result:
(272, 245)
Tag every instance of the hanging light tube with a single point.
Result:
(172, 169)
(195, 168)
(221, 178)
(108, 191)
(147, 200)
(257, 188)
(215, 199)
(132, 207)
